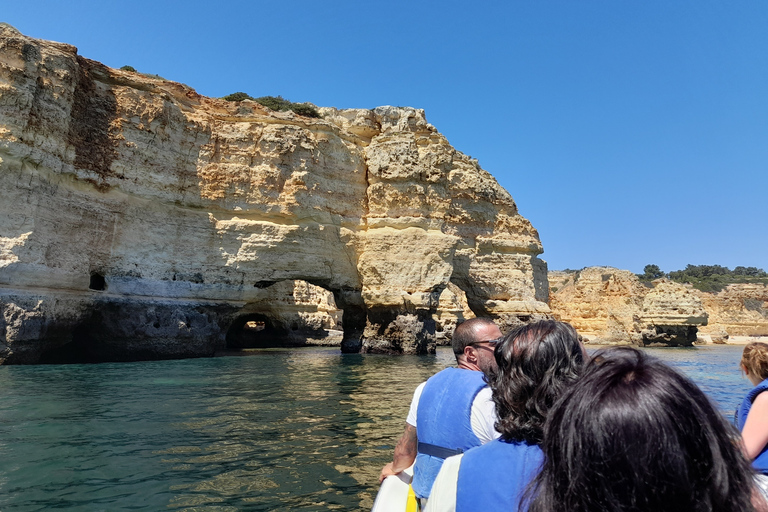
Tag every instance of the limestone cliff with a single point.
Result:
(140, 219)
(738, 310)
(611, 306)
(608, 305)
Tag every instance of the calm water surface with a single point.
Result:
(305, 429)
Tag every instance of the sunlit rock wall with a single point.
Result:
(611, 306)
(738, 310)
(141, 219)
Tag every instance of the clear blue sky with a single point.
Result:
(628, 132)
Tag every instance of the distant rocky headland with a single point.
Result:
(611, 306)
(141, 220)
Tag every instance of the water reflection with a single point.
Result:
(305, 429)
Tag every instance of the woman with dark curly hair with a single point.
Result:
(633, 435)
(536, 363)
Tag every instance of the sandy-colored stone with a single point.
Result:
(452, 310)
(602, 303)
(737, 311)
(611, 306)
(181, 204)
(669, 303)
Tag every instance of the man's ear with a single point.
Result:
(470, 355)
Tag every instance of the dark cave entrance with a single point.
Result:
(254, 330)
(82, 347)
(97, 282)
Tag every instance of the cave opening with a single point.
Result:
(254, 330)
(81, 348)
(97, 282)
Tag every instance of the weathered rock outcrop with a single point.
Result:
(671, 314)
(738, 310)
(140, 219)
(288, 313)
(611, 306)
(453, 309)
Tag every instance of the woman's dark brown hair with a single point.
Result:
(536, 362)
(633, 435)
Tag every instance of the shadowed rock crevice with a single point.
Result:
(287, 313)
(94, 108)
(670, 335)
(97, 282)
(117, 330)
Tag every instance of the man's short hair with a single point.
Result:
(465, 333)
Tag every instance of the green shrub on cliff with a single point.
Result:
(128, 68)
(280, 104)
(276, 103)
(237, 96)
(305, 109)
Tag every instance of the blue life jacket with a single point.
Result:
(443, 423)
(494, 476)
(761, 461)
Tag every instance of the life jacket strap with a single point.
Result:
(437, 451)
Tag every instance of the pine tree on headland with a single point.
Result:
(651, 272)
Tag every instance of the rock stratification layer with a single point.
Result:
(140, 219)
(611, 306)
(737, 310)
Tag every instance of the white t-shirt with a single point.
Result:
(482, 416)
(443, 495)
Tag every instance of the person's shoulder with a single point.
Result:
(758, 395)
(484, 399)
(485, 392)
(439, 375)
(761, 400)
(489, 446)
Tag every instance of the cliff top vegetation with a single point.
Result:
(707, 278)
(276, 103)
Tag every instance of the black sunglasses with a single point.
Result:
(490, 342)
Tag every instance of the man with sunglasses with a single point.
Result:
(452, 411)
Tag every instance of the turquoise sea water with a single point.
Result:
(305, 429)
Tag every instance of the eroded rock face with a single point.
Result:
(738, 310)
(452, 310)
(611, 306)
(602, 303)
(626, 311)
(670, 315)
(69, 326)
(129, 194)
(288, 313)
